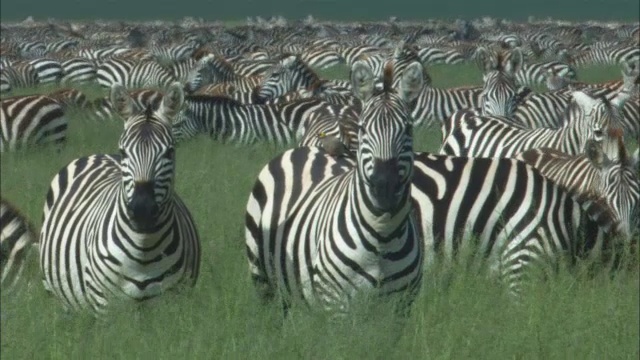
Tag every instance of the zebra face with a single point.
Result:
(385, 151)
(280, 78)
(147, 155)
(621, 187)
(500, 95)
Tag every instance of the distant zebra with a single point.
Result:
(31, 119)
(78, 71)
(49, 71)
(229, 120)
(484, 136)
(440, 55)
(213, 69)
(113, 226)
(133, 74)
(531, 74)
(70, 98)
(616, 180)
(17, 236)
(607, 56)
(19, 75)
(324, 231)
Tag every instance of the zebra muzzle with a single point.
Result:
(142, 205)
(386, 184)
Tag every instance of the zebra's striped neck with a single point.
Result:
(385, 226)
(142, 241)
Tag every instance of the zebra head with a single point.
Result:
(147, 154)
(290, 73)
(631, 77)
(385, 150)
(209, 69)
(596, 113)
(619, 182)
(500, 94)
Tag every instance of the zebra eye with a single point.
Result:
(598, 133)
(123, 155)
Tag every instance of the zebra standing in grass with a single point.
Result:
(18, 75)
(113, 226)
(506, 214)
(498, 96)
(17, 236)
(133, 73)
(32, 119)
(610, 56)
(213, 69)
(78, 71)
(485, 136)
(49, 71)
(320, 229)
(614, 179)
(531, 74)
(228, 119)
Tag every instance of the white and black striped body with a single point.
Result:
(78, 70)
(113, 227)
(504, 212)
(227, 119)
(614, 179)
(323, 230)
(17, 236)
(29, 120)
(532, 74)
(133, 73)
(484, 136)
(213, 69)
(18, 75)
(49, 71)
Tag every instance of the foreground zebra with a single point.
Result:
(32, 119)
(506, 213)
(113, 227)
(319, 229)
(16, 239)
(616, 180)
(485, 136)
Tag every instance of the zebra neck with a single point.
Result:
(383, 224)
(148, 238)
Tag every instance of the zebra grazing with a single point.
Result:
(485, 136)
(506, 213)
(17, 236)
(32, 119)
(614, 179)
(320, 229)
(19, 75)
(113, 226)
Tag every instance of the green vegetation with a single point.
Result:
(458, 315)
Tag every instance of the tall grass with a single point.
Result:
(457, 315)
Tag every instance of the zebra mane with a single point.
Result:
(148, 111)
(387, 78)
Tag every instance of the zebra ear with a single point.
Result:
(362, 80)
(121, 101)
(412, 82)
(288, 61)
(593, 150)
(172, 102)
(586, 102)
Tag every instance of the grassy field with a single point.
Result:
(457, 315)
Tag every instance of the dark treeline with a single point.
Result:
(627, 10)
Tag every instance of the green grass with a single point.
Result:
(457, 315)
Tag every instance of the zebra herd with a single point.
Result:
(523, 177)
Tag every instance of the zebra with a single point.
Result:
(506, 213)
(17, 237)
(113, 226)
(440, 55)
(31, 119)
(49, 71)
(614, 179)
(133, 74)
(498, 96)
(102, 109)
(228, 119)
(70, 98)
(484, 136)
(531, 74)
(611, 56)
(19, 75)
(78, 70)
(322, 230)
(212, 69)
